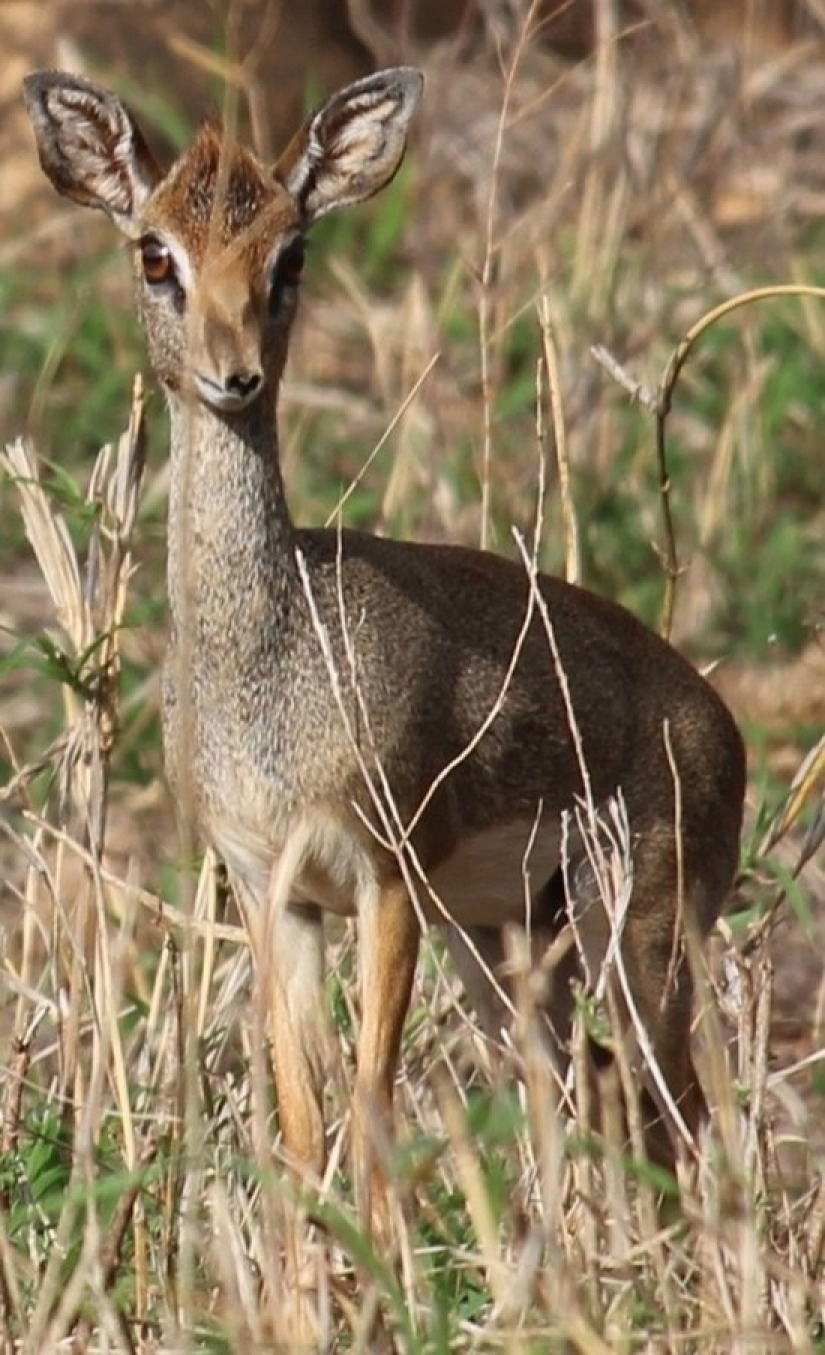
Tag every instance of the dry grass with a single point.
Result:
(143, 1204)
(142, 1201)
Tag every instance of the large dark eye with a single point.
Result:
(286, 271)
(156, 258)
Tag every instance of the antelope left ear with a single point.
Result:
(89, 145)
(353, 145)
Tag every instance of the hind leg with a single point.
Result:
(650, 978)
(655, 994)
(480, 957)
(661, 986)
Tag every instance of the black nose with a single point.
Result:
(243, 384)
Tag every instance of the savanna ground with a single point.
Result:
(442, 371)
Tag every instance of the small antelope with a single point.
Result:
(380, 729)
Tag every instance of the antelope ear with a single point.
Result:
(89, 145)
(352, 146)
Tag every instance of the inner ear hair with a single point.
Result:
(89, 144)
(352, 146)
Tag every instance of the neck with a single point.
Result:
(231, 539)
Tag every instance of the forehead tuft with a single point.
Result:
(217, 190)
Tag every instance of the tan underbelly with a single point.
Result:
(489, 878)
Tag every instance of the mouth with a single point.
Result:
(228, 399)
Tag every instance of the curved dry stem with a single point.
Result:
(664, 399)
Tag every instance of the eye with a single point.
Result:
(286, 271)
(156, 258)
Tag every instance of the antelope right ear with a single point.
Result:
(352, 146)
(89, 145)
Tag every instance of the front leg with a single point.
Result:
(388, 937)
(300, 1034)
(291, 981)
(287, 942)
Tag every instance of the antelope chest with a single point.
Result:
(310, 857)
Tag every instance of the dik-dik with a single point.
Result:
(379, 729)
